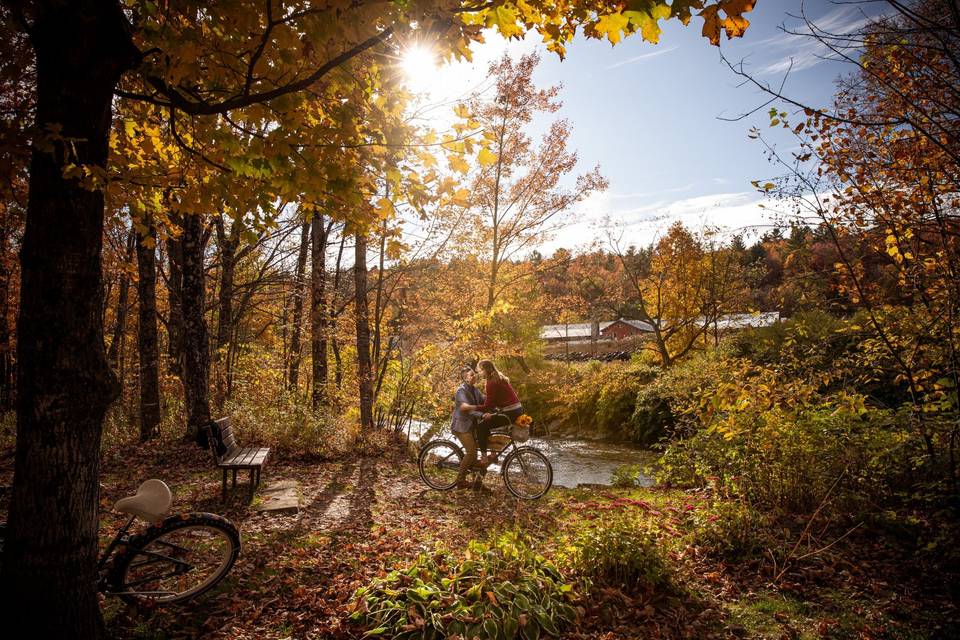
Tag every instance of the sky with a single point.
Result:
(650, 116)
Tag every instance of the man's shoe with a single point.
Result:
(464, 484)
(479, 486)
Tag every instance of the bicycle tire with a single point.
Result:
(441, 472)
(153, 566)
(517, 472)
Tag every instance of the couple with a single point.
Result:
(476, 413)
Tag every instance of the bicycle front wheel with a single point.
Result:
(439, 464)
(176, 560)
(527, 473)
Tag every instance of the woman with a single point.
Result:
(501, 397)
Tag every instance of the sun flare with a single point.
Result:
(419, 65)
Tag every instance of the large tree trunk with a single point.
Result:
(175, 318)
(318, 318)
(64, 383)
(147, 334)
(299, 293)
(362, 314)
(115, 355)
(196, 350)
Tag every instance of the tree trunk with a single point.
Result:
(379, 361)
(318, 319)
(362, 314)
(196, 350)
(299, 294)
(6, 349)
(64, 384)
(227, 245)
(334, 314)
(147, 334)
(116, 352)
(174, 287)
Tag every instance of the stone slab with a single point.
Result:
(281, 497)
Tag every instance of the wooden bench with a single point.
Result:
(237, 458)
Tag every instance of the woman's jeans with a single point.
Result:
(495, 421)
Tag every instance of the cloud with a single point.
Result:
(801, 49)
(641, 58)
(642, 223)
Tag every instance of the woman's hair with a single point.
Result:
(491, 372)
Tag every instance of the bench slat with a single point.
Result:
(229, 440)
(249, 457)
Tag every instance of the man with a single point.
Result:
(464, 422)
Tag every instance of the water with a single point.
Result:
(577, 462)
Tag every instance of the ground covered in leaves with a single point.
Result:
(366, 515)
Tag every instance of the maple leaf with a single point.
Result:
(458, 164)
(735, 26)
(486, 157)
(711, 24)
(384, 208)
(648, 23)
(612, 25)
(504, 18)
(737, 7)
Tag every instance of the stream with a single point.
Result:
(575, 461)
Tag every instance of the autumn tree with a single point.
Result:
(516, 196)
(877, 171)
(681, 288)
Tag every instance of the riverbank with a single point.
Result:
(364, 516)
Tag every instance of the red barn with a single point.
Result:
(623, 328)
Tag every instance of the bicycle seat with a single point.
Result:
(151, 502)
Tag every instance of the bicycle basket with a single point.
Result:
(520, 434)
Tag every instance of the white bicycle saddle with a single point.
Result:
(151, 502)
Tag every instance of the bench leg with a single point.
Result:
(234, 488)
(224, 486)
(258, 476)
(253, 473)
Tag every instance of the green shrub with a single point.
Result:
(729, 529)
(500, 589)
(815, 339)
(620, 551)
(652, 418)
(596, 397)
(627, 475)
(288, 424)
(788, 458)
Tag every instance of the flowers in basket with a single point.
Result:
(523, 420)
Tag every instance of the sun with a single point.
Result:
(419, 64)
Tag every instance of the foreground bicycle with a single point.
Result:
(175, 559)
(526, 472)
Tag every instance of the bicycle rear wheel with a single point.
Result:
(439, 464)
(176, 560)
(527, 473)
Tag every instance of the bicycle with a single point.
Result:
(174, 560)
(527, 473)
